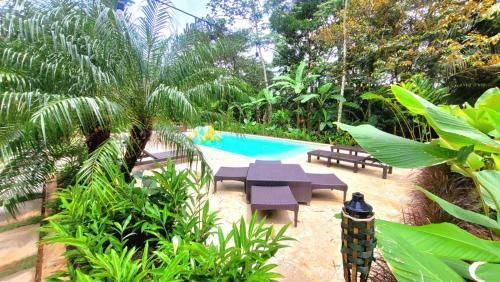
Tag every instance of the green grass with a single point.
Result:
(31, 220)
(18, 266)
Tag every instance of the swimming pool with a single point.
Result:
(261, 148)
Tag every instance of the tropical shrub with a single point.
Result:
(326, 136)
(467, 141)
(117, 231)
(410, 124)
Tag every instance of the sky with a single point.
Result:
(199, 9)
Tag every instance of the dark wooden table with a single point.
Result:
(292, 175)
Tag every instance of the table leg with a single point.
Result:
(296, 215)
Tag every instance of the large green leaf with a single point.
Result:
(373, 96)
(489, 99)
(306, 97)
(443, 240)
(395, 150)
(300, 72)
(457, 130)
(407, 262)
(484, 271)
(490, 180)
(452, 128)
(461, 213)
(323, 89)
(410, 100)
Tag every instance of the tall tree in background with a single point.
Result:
(293, 24)
(389, 41)
(344, 56)
(247, 10)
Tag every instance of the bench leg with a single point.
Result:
(317, 157)
(384, 173)
(308, 158)
(363, 165)
(355, 168)
(215, 186)
(329, 163)
(390, 170)
(338, 161)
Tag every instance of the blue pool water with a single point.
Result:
(259, 147)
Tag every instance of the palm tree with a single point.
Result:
(158, 87)
(50, 92)
(80, 71)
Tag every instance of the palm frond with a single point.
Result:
(171, 137)
(170, 101)
(23, 177)
(59, 117)
(107, 157)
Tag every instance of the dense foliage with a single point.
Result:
(84, 88)
(163, 231)
(452, 45)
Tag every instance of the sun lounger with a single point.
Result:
(376, 163)
(351, 149)
(274, 198)
(356, 160)
(230, 173)
(158, 157)
(327, 181)
(267, 162)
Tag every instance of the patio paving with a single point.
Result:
(315, 255)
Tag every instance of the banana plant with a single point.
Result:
(468, 142)
(270, 98)
(321, 98)
(298, 85)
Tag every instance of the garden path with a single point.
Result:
(19, 242)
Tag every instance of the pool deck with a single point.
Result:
(315, 255)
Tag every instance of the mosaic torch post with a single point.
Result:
(358, 240)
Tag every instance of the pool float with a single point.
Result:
(205, 134)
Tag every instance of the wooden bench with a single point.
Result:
(376, 163)
(274, 198)
(351, 149)
(355, 159)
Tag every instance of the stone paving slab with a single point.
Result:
(26, 210)
(27, 275)
(18, 244)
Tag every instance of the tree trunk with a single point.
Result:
(139, 137)
(95, 138)
(344, 51)
(269, 112)
(298, 115)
